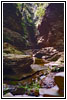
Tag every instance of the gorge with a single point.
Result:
(33, 49)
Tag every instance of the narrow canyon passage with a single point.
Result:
(33, 49)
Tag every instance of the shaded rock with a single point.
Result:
(61, 93)
(13, 31)
(14, 24)
(46, 52)
(59, 80)
(51, 91)
(54, 57)
(52, 27)
(8, 95)
(14, 38)
(34, 92)
(17, 66)
(18, 91)
(10, 49)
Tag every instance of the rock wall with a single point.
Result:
(12, 17)
(13, 32)
(52, 27)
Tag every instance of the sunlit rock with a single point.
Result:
(51, 91)
(8, 95)
(48, 81)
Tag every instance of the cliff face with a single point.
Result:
(12, 17)
(15, 31)
(12, 29)
(52, 27)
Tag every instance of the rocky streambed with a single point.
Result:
(39, 75)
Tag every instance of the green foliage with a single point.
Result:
(31, 86)
(40, 12)
(41, 7)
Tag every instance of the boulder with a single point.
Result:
(47, 53)
(17, 66)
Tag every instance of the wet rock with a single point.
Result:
(51, 91)
(8, 95)
(17, 66)
(59, 80)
